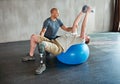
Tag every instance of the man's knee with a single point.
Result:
(34, 37)
(41, 47)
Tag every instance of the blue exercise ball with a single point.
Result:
(76, 54)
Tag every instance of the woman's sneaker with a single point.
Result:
(28, 58)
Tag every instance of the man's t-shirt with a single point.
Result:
(51, 27)
(68, 40)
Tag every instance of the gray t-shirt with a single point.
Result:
(52, 27)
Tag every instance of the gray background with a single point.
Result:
(21, 18)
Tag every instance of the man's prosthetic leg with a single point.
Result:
(42, 67)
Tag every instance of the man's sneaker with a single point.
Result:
(28, 58)
(40, 69)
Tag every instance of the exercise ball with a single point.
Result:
(76, 54)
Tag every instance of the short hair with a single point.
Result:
(53, 9)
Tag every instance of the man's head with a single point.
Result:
(54, 12)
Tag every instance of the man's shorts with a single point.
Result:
(52, 46)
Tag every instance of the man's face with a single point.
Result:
(55, 13)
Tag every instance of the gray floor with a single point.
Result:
(102, 67)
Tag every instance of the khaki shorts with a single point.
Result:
(52, 46)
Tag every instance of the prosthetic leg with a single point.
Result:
(42, 67)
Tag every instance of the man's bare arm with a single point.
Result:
(42, 32)
(68, 29)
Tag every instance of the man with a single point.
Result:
(49, 30)
(51, 43)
